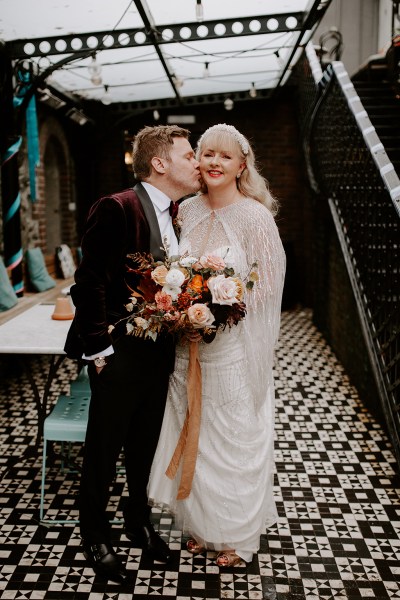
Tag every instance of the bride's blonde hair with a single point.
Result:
(251, 183)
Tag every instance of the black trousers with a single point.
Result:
(126, 412)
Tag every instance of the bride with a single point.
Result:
(231, 498)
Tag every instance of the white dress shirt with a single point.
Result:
(161, 204)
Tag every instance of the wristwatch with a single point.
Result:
(100, 361)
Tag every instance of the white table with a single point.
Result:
(35, 332)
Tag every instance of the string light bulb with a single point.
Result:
(177, 81)
(228, 104)
(106, 99)
(253, 91)
(156, 115)
(206, 72)
(199, 11)
(128, 158)
(95, 71)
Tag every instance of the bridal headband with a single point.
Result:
(243, 143)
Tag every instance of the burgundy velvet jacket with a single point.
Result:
(117, 225)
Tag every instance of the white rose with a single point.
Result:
(223, 290)
(172, 291)
(200, 316)
(188, 261)
(174, 278)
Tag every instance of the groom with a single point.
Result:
(128, 375)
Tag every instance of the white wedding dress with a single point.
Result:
(231, 501)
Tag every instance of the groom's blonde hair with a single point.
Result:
(153, 141)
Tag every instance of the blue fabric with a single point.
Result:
(8, 297)
(15, 206)
(33, 144)
(32, 132)
(13, 149)
(38, 275)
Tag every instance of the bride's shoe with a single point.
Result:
(228, 558)
(194, 547)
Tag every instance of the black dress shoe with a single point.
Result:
(104, 561)
(145, 537)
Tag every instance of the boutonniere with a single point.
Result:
(177, 225)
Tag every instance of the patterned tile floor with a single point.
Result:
(338, 534)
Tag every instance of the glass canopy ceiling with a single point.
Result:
(144, 50)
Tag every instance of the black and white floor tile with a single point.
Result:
(338, 534)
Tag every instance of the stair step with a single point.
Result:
(394, 157)
(390, 138)
(375, 90)
(387, 127)
(375, 105)
(391, 112)
(375, 74)
(396, 164)
(390, 120)
(391, 116)
(377, 95)
(370, 86)
(393, 153)
(391, 141)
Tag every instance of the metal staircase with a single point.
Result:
(352, 150)
(383, 108)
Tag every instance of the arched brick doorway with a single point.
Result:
(55, 210)
(53, 164)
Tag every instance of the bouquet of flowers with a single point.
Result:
(184, 294)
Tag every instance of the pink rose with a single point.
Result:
(209, 261)
(224, 290)
(159, 274)
(200, 316)
(163, 301)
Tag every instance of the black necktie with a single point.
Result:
(173, 209)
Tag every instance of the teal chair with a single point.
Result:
(67, 422)
(81, 384)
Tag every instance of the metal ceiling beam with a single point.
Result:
(314, 17)
(124, 110)
(165, 34)
(154, 36)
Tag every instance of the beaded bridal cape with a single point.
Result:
(231, 501)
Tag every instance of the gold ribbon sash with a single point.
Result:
(188, 443)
